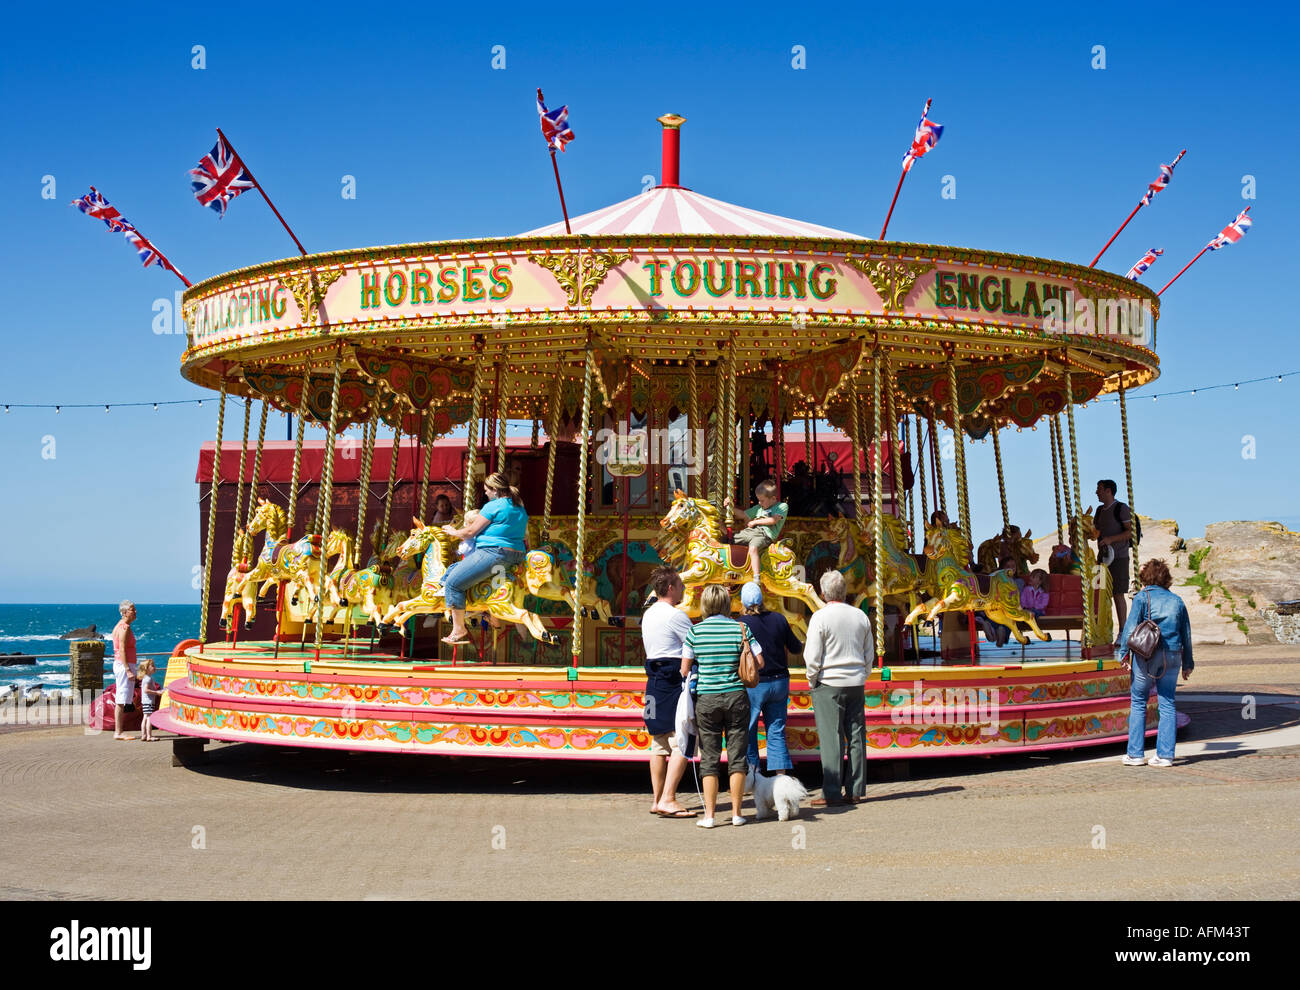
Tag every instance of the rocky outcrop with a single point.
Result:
(16, 659)
(1256, 559)
(87, 633)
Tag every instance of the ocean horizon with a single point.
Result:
(37, 630)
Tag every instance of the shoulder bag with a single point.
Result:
(749, 664)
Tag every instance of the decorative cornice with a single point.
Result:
(579, 274)
(892, 278)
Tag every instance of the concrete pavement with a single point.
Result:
(77, 811)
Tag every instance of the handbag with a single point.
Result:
(749, 664)
(1145, 639)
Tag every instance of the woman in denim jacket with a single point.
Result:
(1156, 602)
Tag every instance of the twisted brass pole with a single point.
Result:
(575, 647)
(327, 498)
(212, 515)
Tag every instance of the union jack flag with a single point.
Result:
(555, 124)
(1146, 261)
(219, 177)
(93, 204)
(927, 136)
(1232, 233)
(1162, 180)
(149, 255)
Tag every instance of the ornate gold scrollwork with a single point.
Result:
(893, 279)
(579, 275)
(308, 289)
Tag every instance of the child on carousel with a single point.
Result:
(762, 523)
(1033, 596)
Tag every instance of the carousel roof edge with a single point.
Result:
(904, 250)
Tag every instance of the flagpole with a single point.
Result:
(1114, 235)
(924, 114)
(259, 188)
(891, 204)
(1185, 267)
(563, 209)
(1131, 216)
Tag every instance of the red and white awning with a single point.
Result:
(674, 210)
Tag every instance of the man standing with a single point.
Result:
(123, 667)
(835, 659)
(664, 628)
(1114, 522)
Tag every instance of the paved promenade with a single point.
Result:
(78, 811)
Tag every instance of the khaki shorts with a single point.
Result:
(664, 744)
(753, 537)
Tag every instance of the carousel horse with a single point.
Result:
(1103, 621)
(707, 560)
(955, 589)
(237, 590)
(379, 585)
(1008, 543)
(279, 560)
(501, 597)
(857, 537)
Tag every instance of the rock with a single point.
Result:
(87, 633)
(1256, 560)
(16, 659)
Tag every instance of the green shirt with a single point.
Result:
(714, 645)
(778, 511)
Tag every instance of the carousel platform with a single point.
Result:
(351, 699)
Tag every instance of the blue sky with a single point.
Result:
(1048, 153)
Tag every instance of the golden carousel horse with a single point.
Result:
(707, 560)
(955, 589)
(279, 560)
(1008, 543)
(499, 596)
(904, 577)
(380, 585)
(1103, 612)
(237, 589)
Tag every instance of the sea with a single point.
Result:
(37, 630)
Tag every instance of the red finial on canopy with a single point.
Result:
(670, 168)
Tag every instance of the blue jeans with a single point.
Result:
(1165, 686)
(770, 699)
(477, 565)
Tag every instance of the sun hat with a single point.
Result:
(751, 594)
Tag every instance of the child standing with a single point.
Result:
(1034, 597)
(149, 695)
(763, 523)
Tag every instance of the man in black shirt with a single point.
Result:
(1114, 522)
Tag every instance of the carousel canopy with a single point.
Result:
(673, 210)
(680, 300)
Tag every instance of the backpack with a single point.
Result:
(1137, 523)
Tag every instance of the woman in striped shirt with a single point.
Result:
(722, 704)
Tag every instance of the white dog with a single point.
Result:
(782, 792)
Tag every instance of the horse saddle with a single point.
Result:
(737, 556)
(984, 581)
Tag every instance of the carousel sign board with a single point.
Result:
(519, 284)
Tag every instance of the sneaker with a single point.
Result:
(737, 820)
(705, 823)
(1130, 762)
(1156, 761)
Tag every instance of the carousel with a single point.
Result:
(659, 357)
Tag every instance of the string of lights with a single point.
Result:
(106, 406)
